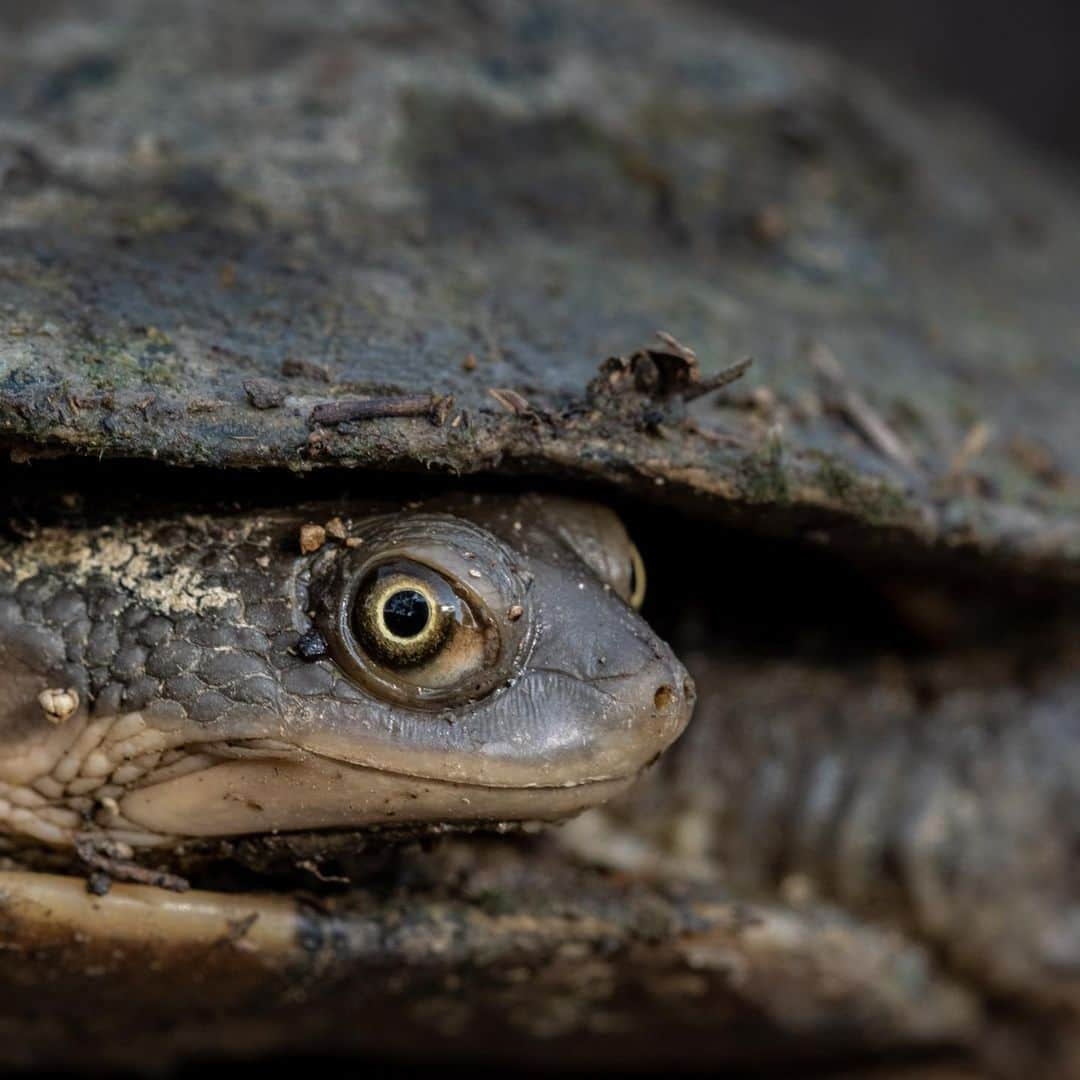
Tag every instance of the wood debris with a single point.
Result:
(975, 442)
(668, 370)
(112, 862)
(264, 393)
(433, 406)
(511, 400)
(841, 398)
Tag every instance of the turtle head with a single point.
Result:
(470, 660)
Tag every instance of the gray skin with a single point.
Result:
(957, 821)
(209, 676)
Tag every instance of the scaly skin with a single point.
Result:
(200, 675)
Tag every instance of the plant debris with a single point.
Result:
(433, 406)
(511, 400)
(264, 394)
(111, 861)
(670, 370)
(841, 398)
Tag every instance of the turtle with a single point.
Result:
(351, 387)
(256, 672)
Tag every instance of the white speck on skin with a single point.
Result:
(131, 557)
(58, 704)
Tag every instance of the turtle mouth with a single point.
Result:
(557, 728)
(314, 791)
(567, 736)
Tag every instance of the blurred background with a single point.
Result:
(1015, 61)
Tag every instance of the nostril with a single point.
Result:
(664, 697)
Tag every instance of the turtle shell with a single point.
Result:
(324, 255)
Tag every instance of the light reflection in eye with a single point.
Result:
(406, 614)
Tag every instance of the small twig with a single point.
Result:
(313, 868)
(859, 413)
(974, 443)
(433, 406)
(718, 381)
(676, 347)
(510, 400)
(98, 854)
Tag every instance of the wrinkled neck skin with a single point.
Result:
(953, 816)
(220, 675)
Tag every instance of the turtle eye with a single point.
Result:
(427, 611)
(409, 619)
(402, 618)
(637, 578)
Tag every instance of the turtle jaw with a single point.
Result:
(315, 792)
(596, 743)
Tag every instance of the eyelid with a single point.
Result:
(638, 578)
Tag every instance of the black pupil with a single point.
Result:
(406, 613)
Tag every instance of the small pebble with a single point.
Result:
(98, 883)
(311, 645)
(312, 537)
(264, 394)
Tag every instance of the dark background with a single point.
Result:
(1018, 60)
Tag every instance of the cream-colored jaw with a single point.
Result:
(61, 779)
(146, 788)
(312, 792)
